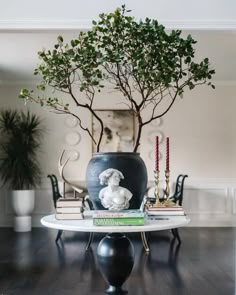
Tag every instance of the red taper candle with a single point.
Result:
(167, 154)
(157, 154)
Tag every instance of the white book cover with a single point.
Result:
(69, 216)
(69, 209)
(172, 213)
(174, 208)
(66, 202)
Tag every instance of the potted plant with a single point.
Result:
(19, 167)
(148, 66)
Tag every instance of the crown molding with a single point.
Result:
(201, 24)
(68, 25)
(44, 25)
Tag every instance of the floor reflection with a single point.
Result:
(23, 254)
(161, 262)
(148, 268)
(32, 263)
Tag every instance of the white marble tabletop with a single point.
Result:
(86, 224)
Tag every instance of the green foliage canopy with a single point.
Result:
(149, 66)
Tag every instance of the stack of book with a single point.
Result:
(168, 211)
(69, 208)
(113, 218)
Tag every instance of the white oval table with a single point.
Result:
(86, 225)
(115, 252)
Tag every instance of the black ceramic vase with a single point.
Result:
(130, 164)
(115, 255)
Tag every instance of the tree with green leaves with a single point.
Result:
(147, 65)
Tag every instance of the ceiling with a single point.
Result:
(18, 52)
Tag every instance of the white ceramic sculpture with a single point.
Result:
(113, 196)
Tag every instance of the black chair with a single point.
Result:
(179, 190)
(55, 188)
(56, 195)
(178, 199)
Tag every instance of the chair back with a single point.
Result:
(55, 188)
(179, 189)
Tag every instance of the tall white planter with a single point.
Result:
(23, 205)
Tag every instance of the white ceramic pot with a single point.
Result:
(23, 206)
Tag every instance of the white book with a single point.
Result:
(166, 213)
(69, 216)
(175, 208)
(69, 209)
(69, 202)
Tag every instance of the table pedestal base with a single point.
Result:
(115, 291)
(116, 259)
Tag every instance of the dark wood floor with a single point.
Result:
(32, 264)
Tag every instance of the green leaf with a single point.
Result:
(59, 39)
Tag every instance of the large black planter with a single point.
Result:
(115, 255)
(130, 164)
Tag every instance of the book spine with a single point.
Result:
(117, 221)
(69, 204)
(170, 213)
(165, 209)
(68, 216)
(118, 214)
(127, 215)
(68, 209)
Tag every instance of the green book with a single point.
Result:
(128, 213)
(118, 221)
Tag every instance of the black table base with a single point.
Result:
(116, 259)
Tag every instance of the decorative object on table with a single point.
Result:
(167, 211)
(132, 167)
(171, 208)
(167, 171)
(69, 203)
(115, 255)
(165, 200)
(113, 196)
(69, 216)
(151, 137)
(61, 167)
(19, 167)
(150, 78)
(87, 205)
(69, 208)
(112, 218)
